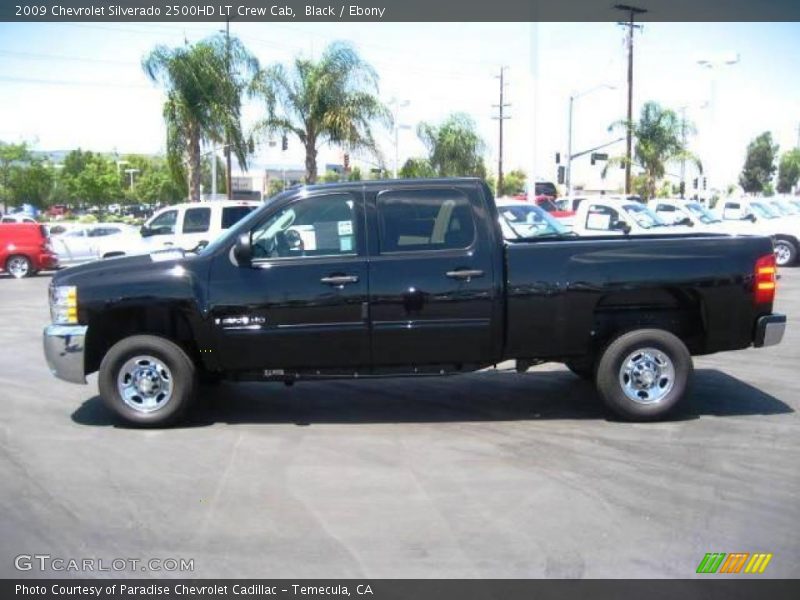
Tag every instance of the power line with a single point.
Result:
(500, 118)
(104, 84)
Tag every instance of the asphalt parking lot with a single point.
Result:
(493, 474)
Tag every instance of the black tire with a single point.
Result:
(651, 405)
(19, 266)
(785, 252)
(582, 367)
(183, 379)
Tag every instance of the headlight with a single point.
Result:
(64, 304)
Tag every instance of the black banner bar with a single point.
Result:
(394, 10)
(712, 588)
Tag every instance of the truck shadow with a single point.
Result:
(486, 396)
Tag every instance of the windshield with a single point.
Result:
(528, 220)
(644, 217)
(787, 209)
(701, 213)
(762, 211)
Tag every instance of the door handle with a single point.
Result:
(465, 274)
(339, 280)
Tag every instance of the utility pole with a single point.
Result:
(683, 145)
(798, 135)
(632, 12)
(501, 117)
(228, 177)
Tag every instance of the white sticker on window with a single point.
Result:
(598, 220)
(345, 228)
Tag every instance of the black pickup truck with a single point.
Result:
(387, 278)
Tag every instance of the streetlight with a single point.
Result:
(713, 65)
(572, 98)
(131, 172)
(398, 104)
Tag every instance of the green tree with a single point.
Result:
(454, 147)
(759, 164)
(659, 133)
(789, 171)
(30, 183)
(91, 178)
(513, 183)
(333, 100)
(204, 83)
(10, 155)
(417, 168)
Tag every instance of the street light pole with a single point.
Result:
(398, 104)
(572, 99)
(713, 66)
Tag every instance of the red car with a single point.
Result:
(25, 249)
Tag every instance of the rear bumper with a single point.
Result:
(64, 350)
(47, 261)
(769, 330)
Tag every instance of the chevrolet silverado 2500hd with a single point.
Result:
(407, 277)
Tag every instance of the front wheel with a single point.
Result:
(147, 380)
(19, 266)
(785, 253)
(644, 374)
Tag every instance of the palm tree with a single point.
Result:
(331, 100)
(204, 83)
(660, 139)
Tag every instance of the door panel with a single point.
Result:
(432, 280)
(303, 302)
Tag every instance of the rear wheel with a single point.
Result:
(147, 380)
(644, 374)
(785, 253)
(19, 266)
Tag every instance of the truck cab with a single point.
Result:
(189, 224)
(785, 230)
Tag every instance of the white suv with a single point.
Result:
(187, 225)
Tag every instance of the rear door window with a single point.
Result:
(197, 220)
(233, 214)
(424, 220)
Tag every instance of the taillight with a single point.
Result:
(764, 289)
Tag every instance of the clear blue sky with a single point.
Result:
(70, 85)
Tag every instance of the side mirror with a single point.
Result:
(686, 221)
(243, 250)
(750, 217)
(621, 226)
(145, 231)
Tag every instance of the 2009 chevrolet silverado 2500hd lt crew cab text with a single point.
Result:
(407, 277)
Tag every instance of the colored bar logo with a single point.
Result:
(720, 562)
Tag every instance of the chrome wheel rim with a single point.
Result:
(782, 254)
(18, 267)
(647, 376)
(145, 384)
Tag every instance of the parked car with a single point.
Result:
(18, 218)
(187, 225)
(603, 216)
(785, 230)
(25, 249)
(519, 219)
(96, 241)
(398, 277)
(675, 211)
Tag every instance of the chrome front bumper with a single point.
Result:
(769, 330)
(64, 349)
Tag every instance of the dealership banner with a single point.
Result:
(391, 589)
(397, 10)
